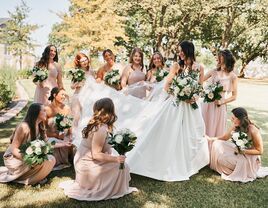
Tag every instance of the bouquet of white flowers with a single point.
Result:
(122, 141)
(185, 88)
(36, 151)
(213, 92)
(39, 74)
(160, 74)
(78, 75)
(241, 140)
(63, 122)
(112, 78)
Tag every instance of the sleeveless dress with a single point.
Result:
(42, 93)
(136, 86)
(95, 180)
(215, 117)
(18, 171)
(232, 167)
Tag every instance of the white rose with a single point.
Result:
(38, 151)
(118, 139)
(62, 123)
(210, 95)
(37, 144)
(181, 93)
(177, 90)
(29, 151)
(235, 136)
(39, 73)
(161, 73)
(240, 143)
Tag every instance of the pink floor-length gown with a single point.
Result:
(136, 87)
(95, 180)
(42, 93)
(215, 117)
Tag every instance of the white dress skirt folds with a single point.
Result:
(170, 145)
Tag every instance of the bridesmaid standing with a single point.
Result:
(156, 63)
(246, 165)
(215, 114)
(133, 75)
(28, 130)
(49, 61)
(64, 153)
(97, 173)
(81, 61)
(109, 58)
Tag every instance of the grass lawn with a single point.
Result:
(205, 189)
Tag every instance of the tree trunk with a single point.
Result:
(242, 71)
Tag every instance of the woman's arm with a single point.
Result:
(149, 75)
(99, 76)
(59, 77)
(20, 134)
(172, 73)
(208, 75)
(201, 77)
(98, 142)
(257, 147)
(124, 77)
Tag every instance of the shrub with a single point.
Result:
(24, 74)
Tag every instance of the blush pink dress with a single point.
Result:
(18, 171)
(42, 93)
(136, 87)
(232, 167)
(95, 180)
(215, 117)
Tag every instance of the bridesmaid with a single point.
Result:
(81, 61)
(28, 130)
(133, 77)
(97, 172)
(109, 57)
(156, 63)
(64, 153)
(215, 114)
(243, 167)
(49, 60)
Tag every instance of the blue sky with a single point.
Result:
(42, 13)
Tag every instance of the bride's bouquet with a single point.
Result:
(77, 75)
(63, 122)
(39, 74)
(112, 78)
(160, 74)
(122, 141)
(241, 140)
(213, 92)
(185, 88)
(36, 151)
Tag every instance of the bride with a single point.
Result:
(170, 145)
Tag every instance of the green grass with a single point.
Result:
(205, 189)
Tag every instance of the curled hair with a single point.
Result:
(77, 59)
(103, 113)
(151, 65)
(228, 59)
(54, 92)
(43, 62)
(136, 50)
(242, 115)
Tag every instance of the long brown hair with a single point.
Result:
(242, 115)
(43, 62)
(228, 59)
(103, 113)
(31, 118)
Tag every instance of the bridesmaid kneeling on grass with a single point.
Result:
(30, 129)
(98, 176)
(235, 165)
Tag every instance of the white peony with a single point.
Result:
(210, 95)
(235, 136)
(37, 144)
(29, 151)
(181, 93)
(39, 73)
(118, 139)
(240, 143)
(38, 151)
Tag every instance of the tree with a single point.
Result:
(89, 24)
(17, 32)
(241, 26)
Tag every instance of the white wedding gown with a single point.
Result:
(170, 144)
